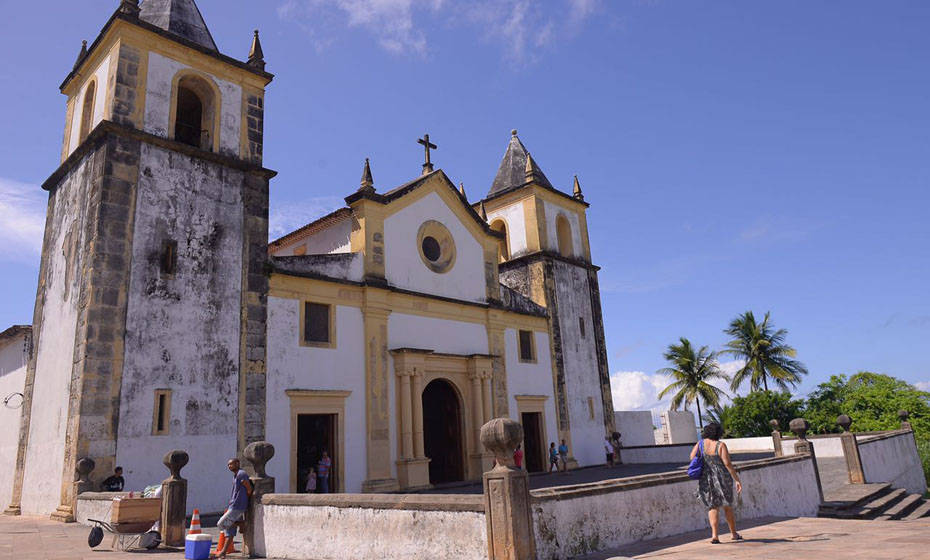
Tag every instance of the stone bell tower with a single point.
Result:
(546, 256)
(151, 304)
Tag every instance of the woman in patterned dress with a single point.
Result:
(715, 488)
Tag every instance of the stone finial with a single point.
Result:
(259, 453)
(462, 190)
(576, 190)
(903, 415)
(531, 170)
(501, 436)
(482, 212)
(129, 7)
(81, 55)
(367, 183)
(844, 421)
(256, 55)
(800, 426)
(513, 132)
(84, 467)
(774, 424)
(175, 460)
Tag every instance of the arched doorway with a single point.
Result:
(442, 432)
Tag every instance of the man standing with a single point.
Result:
(114, 483)
(563, 456)
(238, 503)
(518, 457)
(322, 472)
(609, 450)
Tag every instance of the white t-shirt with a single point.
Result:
(608, 446)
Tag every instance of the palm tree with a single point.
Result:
(763, 349)
(690, 372)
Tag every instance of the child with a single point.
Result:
(311, 481)
(553, 457)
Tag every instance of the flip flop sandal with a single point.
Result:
(737, 537)
(714, 541)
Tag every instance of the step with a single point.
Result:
(853, 495)
(921, 511)
(902, 508)
(870, 510)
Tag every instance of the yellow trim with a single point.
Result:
(302, 340)
(368, 237)
(583, 227)
(319, 402)
(533, 404)
(111, 79)
(216, 105)
(69, 123)
(142, 81)
(87, 121)
(505, 244)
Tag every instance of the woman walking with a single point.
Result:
(715, 487)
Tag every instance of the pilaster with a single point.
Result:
(412, 465)
(375, 312)
(368, 238)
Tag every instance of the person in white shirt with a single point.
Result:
(609, 449)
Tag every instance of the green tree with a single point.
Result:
(765, 353)
(691, 372)
(872, 400)
(749, 416)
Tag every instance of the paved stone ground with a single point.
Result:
(794, 539)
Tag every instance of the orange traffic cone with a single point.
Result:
(195, 523)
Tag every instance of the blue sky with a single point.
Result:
(737, 155)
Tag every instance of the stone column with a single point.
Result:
(905, 425)
(776, 438)
(507, 495)
(418, 414)
(257, 453)
(851, 451)
(486, 398)
(174, 499)
(406, 416)
(800, 426)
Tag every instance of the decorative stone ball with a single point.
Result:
(844, 421)
(259, 453)
(799, 426)
(501, 437)
(84, 468)
(773, 423)
(175, 460)
(903, 415)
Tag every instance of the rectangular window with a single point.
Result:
(591, 407)
(527, 346)
(168, 261)
(317, 324)
(161, 421)
(581, 325)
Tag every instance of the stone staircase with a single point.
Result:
(880, 502)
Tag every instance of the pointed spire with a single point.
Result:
(367, 184)
(482, 212)
(576, 190)
(129, 7)
(179, 17)
(81, 55)
(462, 190)
(532, 170)
(512, 172)
(256, 55)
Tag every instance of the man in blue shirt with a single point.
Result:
(238, 503)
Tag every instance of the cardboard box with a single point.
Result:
(136, 510)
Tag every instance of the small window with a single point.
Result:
(591, 407)
(317, 324)
(581, 325)
(501, 227)
(168, 261)
(161, 421)
(87, 110)
(300, 251)
(431, 249)
(527, 347)
(564, 233)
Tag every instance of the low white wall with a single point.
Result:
(825, 446)
(657, 454)
(893, 458)
(739, 445)
(635, 427)
(371, 526)
(680, 426)
(577, 520)
(95, 505)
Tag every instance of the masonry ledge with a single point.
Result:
(410, 502)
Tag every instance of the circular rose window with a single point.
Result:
(437, 249)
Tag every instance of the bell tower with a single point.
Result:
(545, 256)
(151, 304)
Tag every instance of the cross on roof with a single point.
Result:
(427, 146)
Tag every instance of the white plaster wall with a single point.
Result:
(291, 366)
(737, 445)
(161, 72)
(13, 359)
(513, 215)
(95, 505)
(102, 73)
(893, 460)
(635, 427)
(55, 347)
(334, 533)
(567, 527)
(675, 454)
(823, 447)
(552, 212)
(182, 333)
(334, 239)
(405, 269)
(680, 426)
(579, 358)
(531, 379)
(439, 335)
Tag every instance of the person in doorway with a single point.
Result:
(715, 487)
(617, 459)
(114, 483)
(563, 457)
(235, 510)
(518, 457)
(322, 474)
(311, 481)
(553, 457)
(609, 450)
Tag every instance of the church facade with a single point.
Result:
(385, 333)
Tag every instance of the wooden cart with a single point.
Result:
(131, 523)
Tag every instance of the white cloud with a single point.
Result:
(637, 390)
(923, 385)
(285, 217)
(22, 220)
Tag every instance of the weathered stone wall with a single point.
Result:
(588, 518)
(95, 505)
(14, 358)
(893, 458)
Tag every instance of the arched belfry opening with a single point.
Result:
(442, 432)
(87, 110)
(501, 227)
(195, 112)
(564, 232)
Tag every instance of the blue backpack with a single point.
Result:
(696, 467)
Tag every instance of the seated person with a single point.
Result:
(115, 483)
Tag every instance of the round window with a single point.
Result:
(437, 248)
